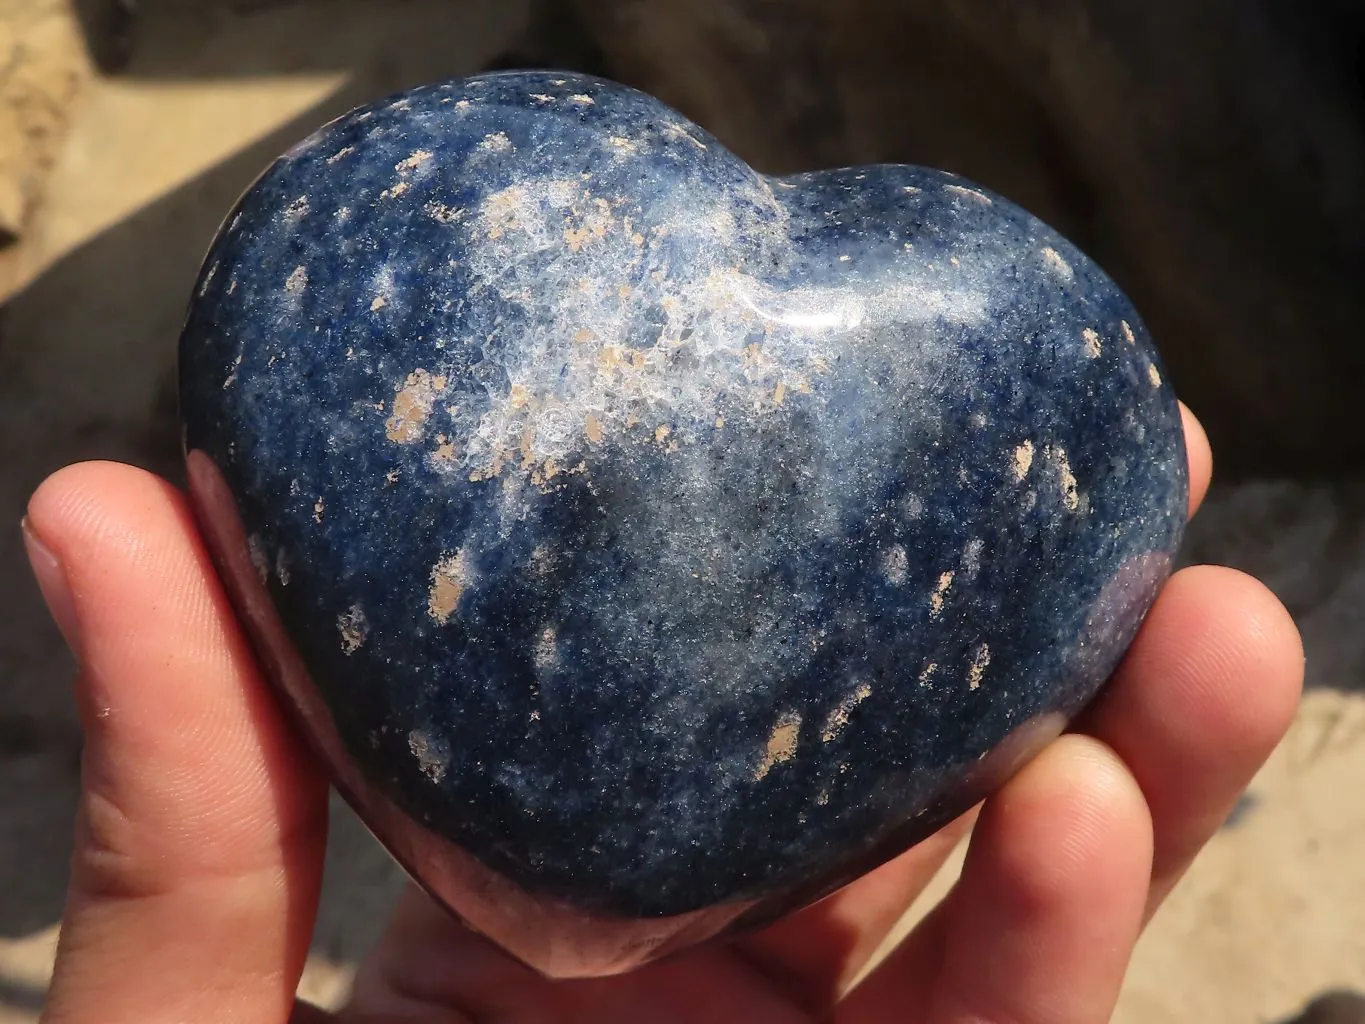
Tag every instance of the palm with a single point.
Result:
(1060, 862)
(793, 971)
(200, 842)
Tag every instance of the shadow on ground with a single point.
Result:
(1332, 1008)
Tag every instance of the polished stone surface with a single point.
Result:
(656, 535)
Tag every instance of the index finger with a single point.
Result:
(199, 846)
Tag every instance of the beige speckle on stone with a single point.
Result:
(838, 718)
(1057, 264)
(661, 434)
(412, 162)
(395, 191)
(542, 97)
(1154, 375)
(927, 673)
(354, 629)
(781, 746)
(441, 213)
(450, 578)
(1093, 345)
(977, 669)
(583, 98)
(341, 154)
(1023, 460)
(297, 281)
(580, 228)
(1128, 334)
(317, 511)
(577, 237)
(621, 144)
(433, 756)
(412, 405)
(527, 445)
(446, 452)
(593, 429)
(297, 208)
(940, 594)
(378, 303)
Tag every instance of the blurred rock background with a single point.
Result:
(1210, 154)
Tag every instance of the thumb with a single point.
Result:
(199, 843)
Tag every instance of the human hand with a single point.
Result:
(202, 823)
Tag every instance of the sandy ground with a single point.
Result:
(121, 181)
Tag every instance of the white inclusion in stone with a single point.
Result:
(895, 564)
(971, 558)
(584, 349)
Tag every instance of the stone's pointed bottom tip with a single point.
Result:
(648, 546)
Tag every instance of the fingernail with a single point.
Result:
(51, 577)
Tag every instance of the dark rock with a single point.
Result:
(1209, 155)
(556, 40)
(651, 546)
(109, 27)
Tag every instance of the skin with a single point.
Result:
(200, 836)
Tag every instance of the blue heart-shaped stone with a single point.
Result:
(650, 546)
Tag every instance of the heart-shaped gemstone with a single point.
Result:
(650, 546)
